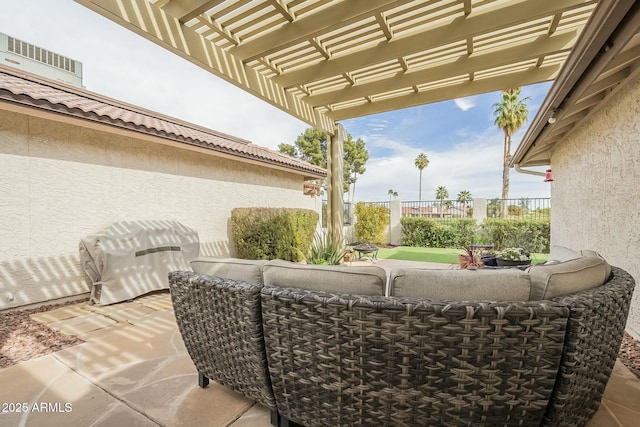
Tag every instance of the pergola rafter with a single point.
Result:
(324, 61)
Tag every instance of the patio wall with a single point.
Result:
(60, 182)
(595, 198)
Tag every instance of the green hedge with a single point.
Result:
(427, 232)
(272, 233)
(371, 223)
(531, 235)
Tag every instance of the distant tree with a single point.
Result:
(311, 146)
(511, 113)
(524, 204)
(355, 157)
(288, 149)
(393, 194)
(441, 194)
(464, 197)
(493, 208)
(421, 162)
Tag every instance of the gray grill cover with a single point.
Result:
(131, 258)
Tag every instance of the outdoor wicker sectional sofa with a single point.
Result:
(324, 346)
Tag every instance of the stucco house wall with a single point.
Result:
(595, 197)
(60, 182)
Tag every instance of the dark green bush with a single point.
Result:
(371, 223)
(272, 233)
(531, 235)
(427, 232)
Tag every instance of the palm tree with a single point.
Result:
(464, 198)
(393, 194)
(511, 113)
(441, 194)
(421, 162)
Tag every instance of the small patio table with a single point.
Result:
(366, 249)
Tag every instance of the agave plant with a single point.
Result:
(326, 249)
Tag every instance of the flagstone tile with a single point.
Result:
(257, 416)
(81, 324)
(62, 313)
(54, 395)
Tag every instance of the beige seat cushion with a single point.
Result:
(367, 280)
(230, 268)
(508, 284)
(549, 281)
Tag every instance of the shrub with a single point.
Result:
(272, 233)
(514, 210)
(531, 235)
(427, 232)
(371, 222)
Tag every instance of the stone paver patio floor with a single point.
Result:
(133, 370)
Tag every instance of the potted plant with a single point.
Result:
(510, 257)
(470, 260)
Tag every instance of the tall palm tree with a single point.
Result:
(511, 113)
(441, 194)
(393, 194)
(464, 198)
(421, 162)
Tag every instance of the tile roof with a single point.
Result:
(20, 87)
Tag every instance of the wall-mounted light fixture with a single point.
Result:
(548, 176)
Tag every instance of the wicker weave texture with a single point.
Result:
(221, 326)
(348, 360)
(594, 334)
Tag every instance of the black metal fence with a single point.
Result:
(440, 210)
(523, 208)
(447, 210)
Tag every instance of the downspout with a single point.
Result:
(530, 172)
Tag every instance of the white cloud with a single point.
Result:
(474, 165)
(464, 103)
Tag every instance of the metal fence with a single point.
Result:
(445, 211)
(523, 208)
(440, 210)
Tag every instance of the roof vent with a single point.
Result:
(41, 55)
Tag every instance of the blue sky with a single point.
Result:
(459, 137)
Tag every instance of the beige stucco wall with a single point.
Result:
(60, 182)
(595, 198)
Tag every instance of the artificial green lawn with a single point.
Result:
(447, 256)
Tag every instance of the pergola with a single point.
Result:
(324, 61)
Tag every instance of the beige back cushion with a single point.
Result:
(549, 281)
(230, 268)
(508, 284)
(366, 280)
(561, 254)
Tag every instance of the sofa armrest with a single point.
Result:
(221, 326)
(594, 334)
